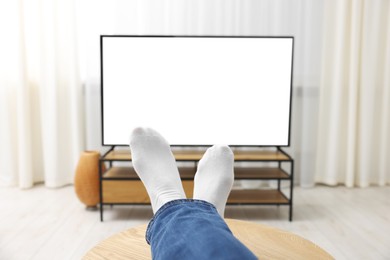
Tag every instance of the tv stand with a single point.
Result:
(120, 185)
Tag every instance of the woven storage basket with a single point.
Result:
(86, 180)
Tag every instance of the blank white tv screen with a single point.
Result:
(197, 90)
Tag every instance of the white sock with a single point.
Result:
(214, 177)
(156, 166)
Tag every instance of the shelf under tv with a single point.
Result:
(121, 185)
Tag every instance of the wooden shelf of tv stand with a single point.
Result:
(188, 173)
(194, 155)
(133, 192)
(122, 185)
(254, 196)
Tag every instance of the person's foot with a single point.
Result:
(156, 166)
(214, 177)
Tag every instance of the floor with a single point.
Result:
(43, 223)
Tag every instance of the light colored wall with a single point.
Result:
(301, 19)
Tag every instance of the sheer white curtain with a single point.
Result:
(41, 106)
(41, 115)
(354, 119)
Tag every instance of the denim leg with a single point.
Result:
(192, 229)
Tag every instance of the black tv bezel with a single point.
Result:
(194, 36)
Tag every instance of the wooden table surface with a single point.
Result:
(265, 242)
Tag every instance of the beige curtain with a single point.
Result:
(353, 144)
(41, 105)
(41, 124)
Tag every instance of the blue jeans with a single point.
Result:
(192, 229)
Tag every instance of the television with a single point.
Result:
(197, 90)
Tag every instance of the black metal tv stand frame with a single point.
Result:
(120, 185)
